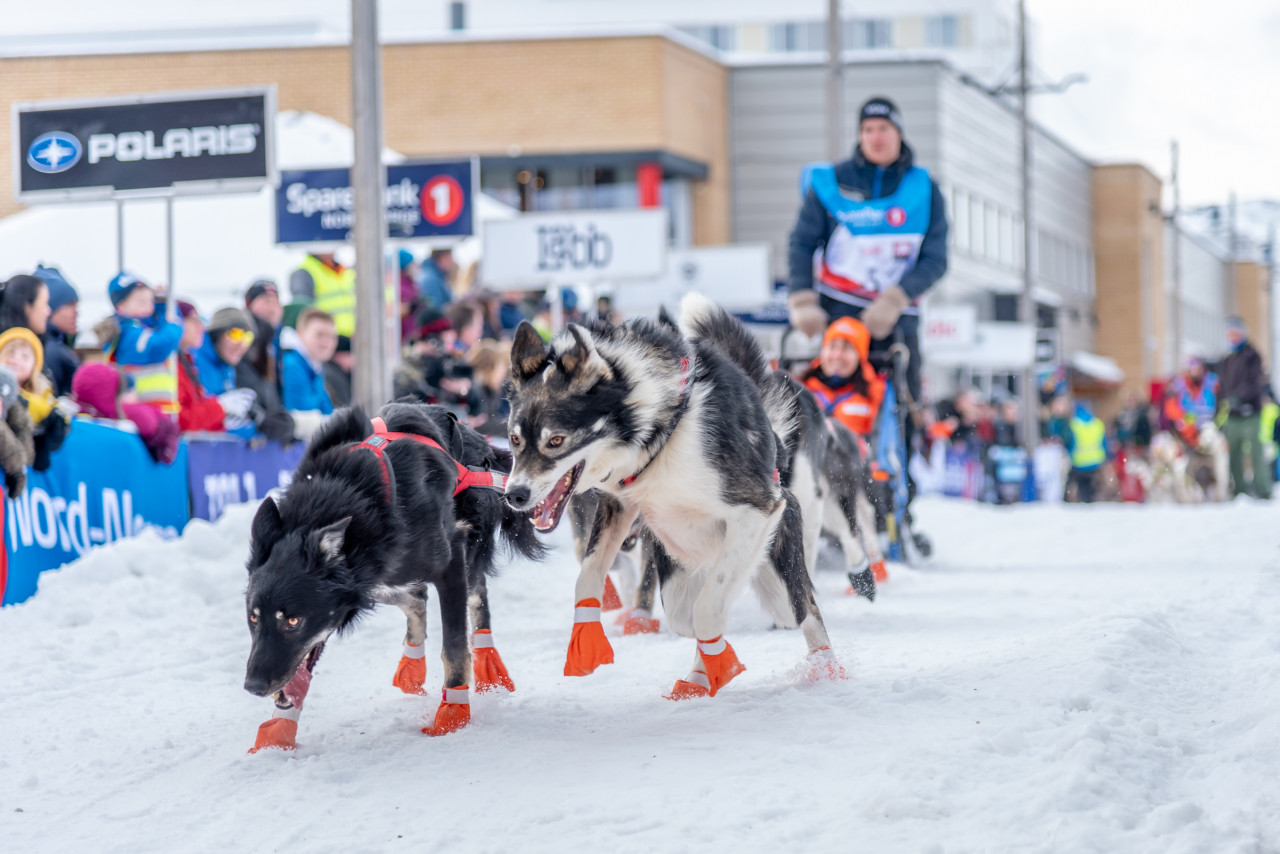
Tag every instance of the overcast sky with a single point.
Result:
(1206, 73)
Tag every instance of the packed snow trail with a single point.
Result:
(1068, 679)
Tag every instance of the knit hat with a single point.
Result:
(60, 290)
(229, 318)
(258, 288)
(880, 108)
(122, 285)
(405, 257)
(344, 344)
(22, 333)
(8, 388)
(431, 324)
(855, 332)
(1236, 323)
(185, 309)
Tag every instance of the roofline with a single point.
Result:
(30, 46)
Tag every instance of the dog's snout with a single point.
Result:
(256, 685)
(518, 497)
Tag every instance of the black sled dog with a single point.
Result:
(377, 511)
(684, 432)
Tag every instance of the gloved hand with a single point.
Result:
(806, 315)
(883, 313)
(237, 403)
(67, 408)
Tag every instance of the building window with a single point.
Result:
(942, 31)
(798, 36)
(993, 234)
(960, 217)
(977, 223)
(1006, 308)
(720, 37)
(868, 34)
(457, 16)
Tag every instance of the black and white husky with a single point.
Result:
(676, 430)
(378, 511)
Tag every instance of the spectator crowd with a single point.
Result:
(268, 369)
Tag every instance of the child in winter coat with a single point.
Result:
(843, 381)
(302, 366)
(16, 445)
(22, 352)
(98, 391)
(146, 345)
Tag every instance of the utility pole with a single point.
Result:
(835, 89)
(368, 180)
(1027, 305)
(1177, 263)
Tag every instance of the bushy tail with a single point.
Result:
(703, 320)
(519, 535)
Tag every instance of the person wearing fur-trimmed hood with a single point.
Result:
(17, 446)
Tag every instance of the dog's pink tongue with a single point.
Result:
(547, 511)
(296, 689)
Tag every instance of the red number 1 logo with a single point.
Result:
(441, 200)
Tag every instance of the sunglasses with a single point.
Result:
(236, 335)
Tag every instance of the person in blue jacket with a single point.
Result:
(227, 339)
(880, 223)
(304, 353)
(145, 344)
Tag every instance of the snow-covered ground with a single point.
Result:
(1060, 679)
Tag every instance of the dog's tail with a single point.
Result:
(703, 320)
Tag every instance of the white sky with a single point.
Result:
(1205, 72)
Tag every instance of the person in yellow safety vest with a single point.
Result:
(1087, 444)
(1267, 433)
(328, 286)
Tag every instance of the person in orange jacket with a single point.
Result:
(843, 381)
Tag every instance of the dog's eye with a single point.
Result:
(515, 440)
(293, 622)
(556, 441)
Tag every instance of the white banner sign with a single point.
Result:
(575, 247)
(948, 327)
(735, 277)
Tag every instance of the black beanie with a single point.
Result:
(880, 108)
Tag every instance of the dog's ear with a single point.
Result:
(333, 538)
(581, 363)
(528, 352)
(665, 319)
(266, 529)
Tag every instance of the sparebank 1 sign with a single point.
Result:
(534, 250)
(422, 199)
(215, 141)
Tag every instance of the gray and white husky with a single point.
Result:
(683, 432)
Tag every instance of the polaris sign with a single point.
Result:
(422, 200)
(197, 142)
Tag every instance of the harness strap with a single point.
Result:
(467, 477)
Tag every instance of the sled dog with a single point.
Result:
(377, 512)
(683, 431)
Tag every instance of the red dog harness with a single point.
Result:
(467, 477)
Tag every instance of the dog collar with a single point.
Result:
(682, 383)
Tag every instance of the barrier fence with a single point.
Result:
(103, 486)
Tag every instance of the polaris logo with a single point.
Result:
(54, 152)
(176, 142)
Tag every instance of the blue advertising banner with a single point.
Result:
(102, 486)
(229, 471)
(422, 200)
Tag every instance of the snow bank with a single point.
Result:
(1060, 679)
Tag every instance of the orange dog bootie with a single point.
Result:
(411, 675)
(640, 622)
(697, 685)
(612, 601)
(588, 647)
(721, 662)
(454, 712)
(879, 572)
(279, 733)
(487, 665)
(824, 666)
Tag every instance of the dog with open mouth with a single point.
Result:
(683, 430)
(378, 511)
